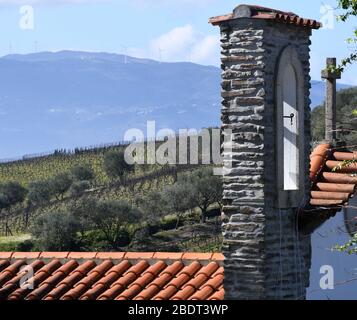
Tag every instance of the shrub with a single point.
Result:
(153, 206)
(60, 184)
(82, 173)
(113, 218)
(39, 192)
(78, 188)
(178, 199)
(115, 165)
(57, 231)
(25, 246)
(12, 193)
(206, 189)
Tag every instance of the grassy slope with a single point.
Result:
(11, 243)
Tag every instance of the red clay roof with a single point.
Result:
(111, 276)
(333, 184)
(258, 12)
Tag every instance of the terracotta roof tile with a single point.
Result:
(67, 283)
(215, 282)
(325, 202)
(123, 282)
(166, 294)
(138, 255)
(173, 269)
(4, 264)
(82, 255)
(6, 255)
(335, 187)
(10, 285)
(184, 294)
(341, 156)
(333, 177)
(26, 255)
(54, 255)
(333, 183)
(217, 257)
(104, 283)
(317, 159)
(211, 286)
(83, 285)
(10, 271)
(259, 12)
(330, 195)
(197, 256)
(158, 284)
(47, 285)
(209, 269)
(140, 284)
(335, 164)
(219, 295)
(168, 255)
(203, 294)
(110, 255)
(35, 281)
(109, 276)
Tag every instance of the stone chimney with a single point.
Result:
(265, 91)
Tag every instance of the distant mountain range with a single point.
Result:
(69, 99)
(318, 92)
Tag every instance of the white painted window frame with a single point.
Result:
(290, 198)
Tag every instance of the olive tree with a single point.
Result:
(153, 206)
(178, 199)
(11, 194)
(39, 192)
(60, 184)
(78, 188)
(115, 165)
(82, 173)
(206, 189)
(56, 231)
(113, 218)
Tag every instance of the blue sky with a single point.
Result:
(170, 30)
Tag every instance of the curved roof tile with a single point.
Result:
(111, 276)
(259, 12)
(333, 176)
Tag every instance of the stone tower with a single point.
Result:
(265, 91)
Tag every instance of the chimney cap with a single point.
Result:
(259, 12)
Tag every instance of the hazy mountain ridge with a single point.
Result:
(69, 99)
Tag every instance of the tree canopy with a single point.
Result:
(115, 165)
(346, 104)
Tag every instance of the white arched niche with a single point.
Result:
(290, 144)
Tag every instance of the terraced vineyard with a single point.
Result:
(136, 186)
(42, 168)
(109, 181)
(144, 179)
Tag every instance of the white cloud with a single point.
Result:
(175, 42)
(183, 43)
(207, 50)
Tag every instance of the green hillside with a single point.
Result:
(42, 168)
(92, 200)
(346, 117)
